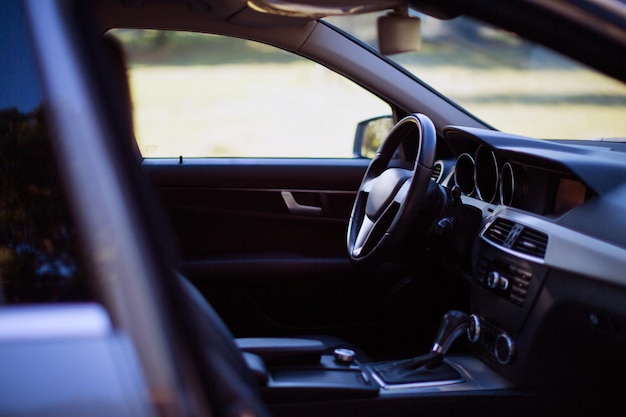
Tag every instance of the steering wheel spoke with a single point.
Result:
(363, 234)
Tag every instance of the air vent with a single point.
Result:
(517, 237)
(437, 171)
(499, 231)
(531, 242)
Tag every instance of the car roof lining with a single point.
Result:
(114, 12)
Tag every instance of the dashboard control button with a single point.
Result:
(497, 281)
(520, 291)
(504, 283)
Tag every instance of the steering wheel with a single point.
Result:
(389, 197)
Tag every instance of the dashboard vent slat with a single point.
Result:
(531, 242)
(499, 231)
(437, 171)
(517, 237)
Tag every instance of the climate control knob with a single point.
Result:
(504, 348)
(474, 329)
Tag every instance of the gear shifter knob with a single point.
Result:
(453, 324)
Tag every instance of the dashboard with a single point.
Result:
(548, 288)
(514, 179)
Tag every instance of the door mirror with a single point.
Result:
(370, 134)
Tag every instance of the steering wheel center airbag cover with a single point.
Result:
(384, 189)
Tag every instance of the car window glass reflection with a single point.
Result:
(38, 250)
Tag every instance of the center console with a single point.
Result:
(294, 370)
(508, 277)
(509, 274)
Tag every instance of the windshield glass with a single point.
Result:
(507, 82)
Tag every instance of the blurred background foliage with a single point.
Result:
(39, 255)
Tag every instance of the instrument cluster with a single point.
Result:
(481, 175)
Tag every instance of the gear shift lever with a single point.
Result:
(453, 324)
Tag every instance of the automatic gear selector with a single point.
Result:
(453, 324)
(430, 366)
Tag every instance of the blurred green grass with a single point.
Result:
(263, 110)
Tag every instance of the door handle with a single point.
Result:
(294, 207)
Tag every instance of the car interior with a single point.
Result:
(429, 259)
(459, 271)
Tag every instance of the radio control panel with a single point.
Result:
(504, 289)
(507, 280)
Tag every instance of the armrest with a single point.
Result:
(280, 348)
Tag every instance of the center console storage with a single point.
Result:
(300, 369)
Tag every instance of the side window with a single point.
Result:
(198, 95)
(38, 249)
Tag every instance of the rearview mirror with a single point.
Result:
(398, 33)
(370, 134)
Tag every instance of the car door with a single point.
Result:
(251, 151)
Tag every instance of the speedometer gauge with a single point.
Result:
(507, 184)
(486, 174)
(464, 174)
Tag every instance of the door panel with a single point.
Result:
(245, 221)
(233, 210)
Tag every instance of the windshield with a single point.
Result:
(507, 82)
